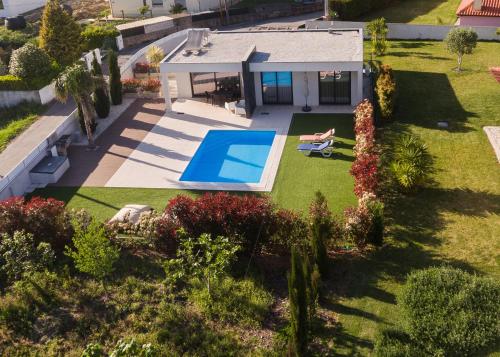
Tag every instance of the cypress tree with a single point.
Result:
(60, 34)
(115, 81)
(297, 292)
(321, 230)
(101, 99)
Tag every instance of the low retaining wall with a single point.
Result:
(399, 31)
(14, 97)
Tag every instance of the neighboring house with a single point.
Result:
(130, 8)
(272, 67)
(9, 8)
(479, 13)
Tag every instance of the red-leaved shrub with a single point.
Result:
(141, 67)
(46, 219)
(151, 85)
(240, 218)
(365, 172)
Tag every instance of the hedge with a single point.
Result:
(94, 36)
(353, 9)
(10, 82)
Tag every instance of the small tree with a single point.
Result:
(297, 293)
(101, 99)
(143, 10)
(321, 230)
(78, 82)
(115, 80)
(378, 33)
(94, 254)
(205, 258)
(386, 91)
(461, 42)
(60, 34)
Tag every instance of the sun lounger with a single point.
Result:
(318, 137)
(325, 149)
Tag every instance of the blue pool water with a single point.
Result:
(237, 156)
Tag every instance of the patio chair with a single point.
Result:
(325, 149)
(240, 108)
(318, 137)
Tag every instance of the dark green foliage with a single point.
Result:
(102, 104)
(10, 82)
(13, 39)
(115, 81)
(449, 312)
(313, 281)
(94, 36)
(321, 231)
(81, 120)
(297, 293)
(376, 232)
(461, 41)
(93, 350)
(60, 34)
(395, 343)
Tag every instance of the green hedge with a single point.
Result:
(10, 82)
(94, 36)
(353, 9)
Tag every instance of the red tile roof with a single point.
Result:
(489, 8)
(495, 71)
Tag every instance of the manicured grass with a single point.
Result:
(13, 121)
(300, 176)
(297, 179)
(433, 12)
(456, 220)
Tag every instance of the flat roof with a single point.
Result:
(283, 46)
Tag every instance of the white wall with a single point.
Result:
(407, 32)
(42, 96)
(17, 7)
(131, 7)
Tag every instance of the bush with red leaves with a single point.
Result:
(365, 172)
(46, 219)
(240, 218)
(141, 67)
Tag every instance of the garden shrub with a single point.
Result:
(102, 103)
(4, 69)
(130, 85)
(289, 229)
(365, 172)
(45, 219)
(364, 224)
(321, 229)
(241, 218)
(151, 85)
(20, 255)
(241, 302)
(13, 39)
(115, 81)
(386, 91)
(94, 36)
(449, 312)
(141, 67)
(378, 30)
(10, 82)
(411, 162)
(29, 62)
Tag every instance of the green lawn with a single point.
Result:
(297, 179)
(434, 12)
(455, 221)
(13, 121)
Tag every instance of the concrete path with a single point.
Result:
(95, 168)
(31, 138)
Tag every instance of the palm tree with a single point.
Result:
(79, 83)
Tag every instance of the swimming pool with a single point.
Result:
(237, 156)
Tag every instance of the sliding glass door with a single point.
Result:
(277, 88)
(335, 88)
(210, 82)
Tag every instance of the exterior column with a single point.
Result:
(166, 91)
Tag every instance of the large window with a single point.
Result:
(210, 82)
(335, 88)
(277, 88)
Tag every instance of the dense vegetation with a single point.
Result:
(15, 120)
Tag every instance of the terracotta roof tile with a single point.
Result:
(489, 8)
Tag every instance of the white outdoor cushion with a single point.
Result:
(131, 213)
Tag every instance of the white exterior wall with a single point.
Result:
(131, 7)
(399, 31)
(183, 85)
(17, 7)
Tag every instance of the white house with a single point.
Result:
(130, 8)
(322, 67)
(9, 8)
